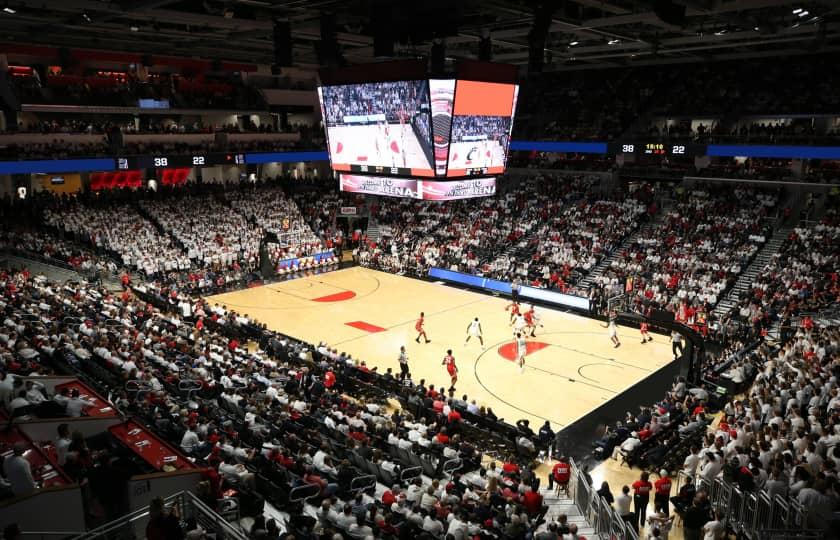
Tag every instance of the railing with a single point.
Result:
(184, 504)
(747, 512)
(600, 515)
(362, 483)
(410, 473)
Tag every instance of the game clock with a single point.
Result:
(658, 149)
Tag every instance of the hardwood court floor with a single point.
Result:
(571, 367)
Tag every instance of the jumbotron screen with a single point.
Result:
(482, 120)
(424, 128)
(382, 127)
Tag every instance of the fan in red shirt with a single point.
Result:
(560, 473)
(419, 327)
(641, 498)
(533, 503)
(510, 468)
(449, 362)
(663, 492)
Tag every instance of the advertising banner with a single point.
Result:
(377, 185)
(465, 189)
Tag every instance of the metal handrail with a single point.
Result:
(299, 493)
(451, 466)
(745, 512)
(185, 503)
(366, 482)
(408, 474)
(601, 516)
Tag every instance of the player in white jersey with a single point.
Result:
(612, 329)
(474, 330)
(521, 351)
(519, 324)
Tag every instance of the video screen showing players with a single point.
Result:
(481, 126)
(379, 125)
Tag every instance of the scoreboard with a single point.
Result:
(657, 149)
(187, 160)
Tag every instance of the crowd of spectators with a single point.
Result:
(547, 231)
(212, 233)
(122, 231)
(781, 438)
(693, 254)
(396, 101)
(282, 411)
(801, 277)
(471, 128)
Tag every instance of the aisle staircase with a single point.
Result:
(561, 504)
(745, 280)
(641, 232)
(374, 231)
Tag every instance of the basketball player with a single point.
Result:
(643, 329)
(532, 320)
(613, 330)
(403, 360)
(420, 331)
(513, 307)
(449, 362)
(519, 324)
(474, 330)
(521, 350)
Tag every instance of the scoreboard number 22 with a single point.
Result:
(678, 149)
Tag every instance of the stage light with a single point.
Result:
(613, 42)
(573, 43)
(9, 10)
(797, 11)
(803, 14)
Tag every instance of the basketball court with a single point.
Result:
(366, 145)
(571, 367)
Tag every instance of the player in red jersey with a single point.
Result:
(420, 331)
(532, 320)
(643, 329)
(513, 307)
(449, 362)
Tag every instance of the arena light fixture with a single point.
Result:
(797, 11)
(613, 42)
(804, 13)
(9, 10)
(573, 43)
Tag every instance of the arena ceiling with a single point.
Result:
(574, 34)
